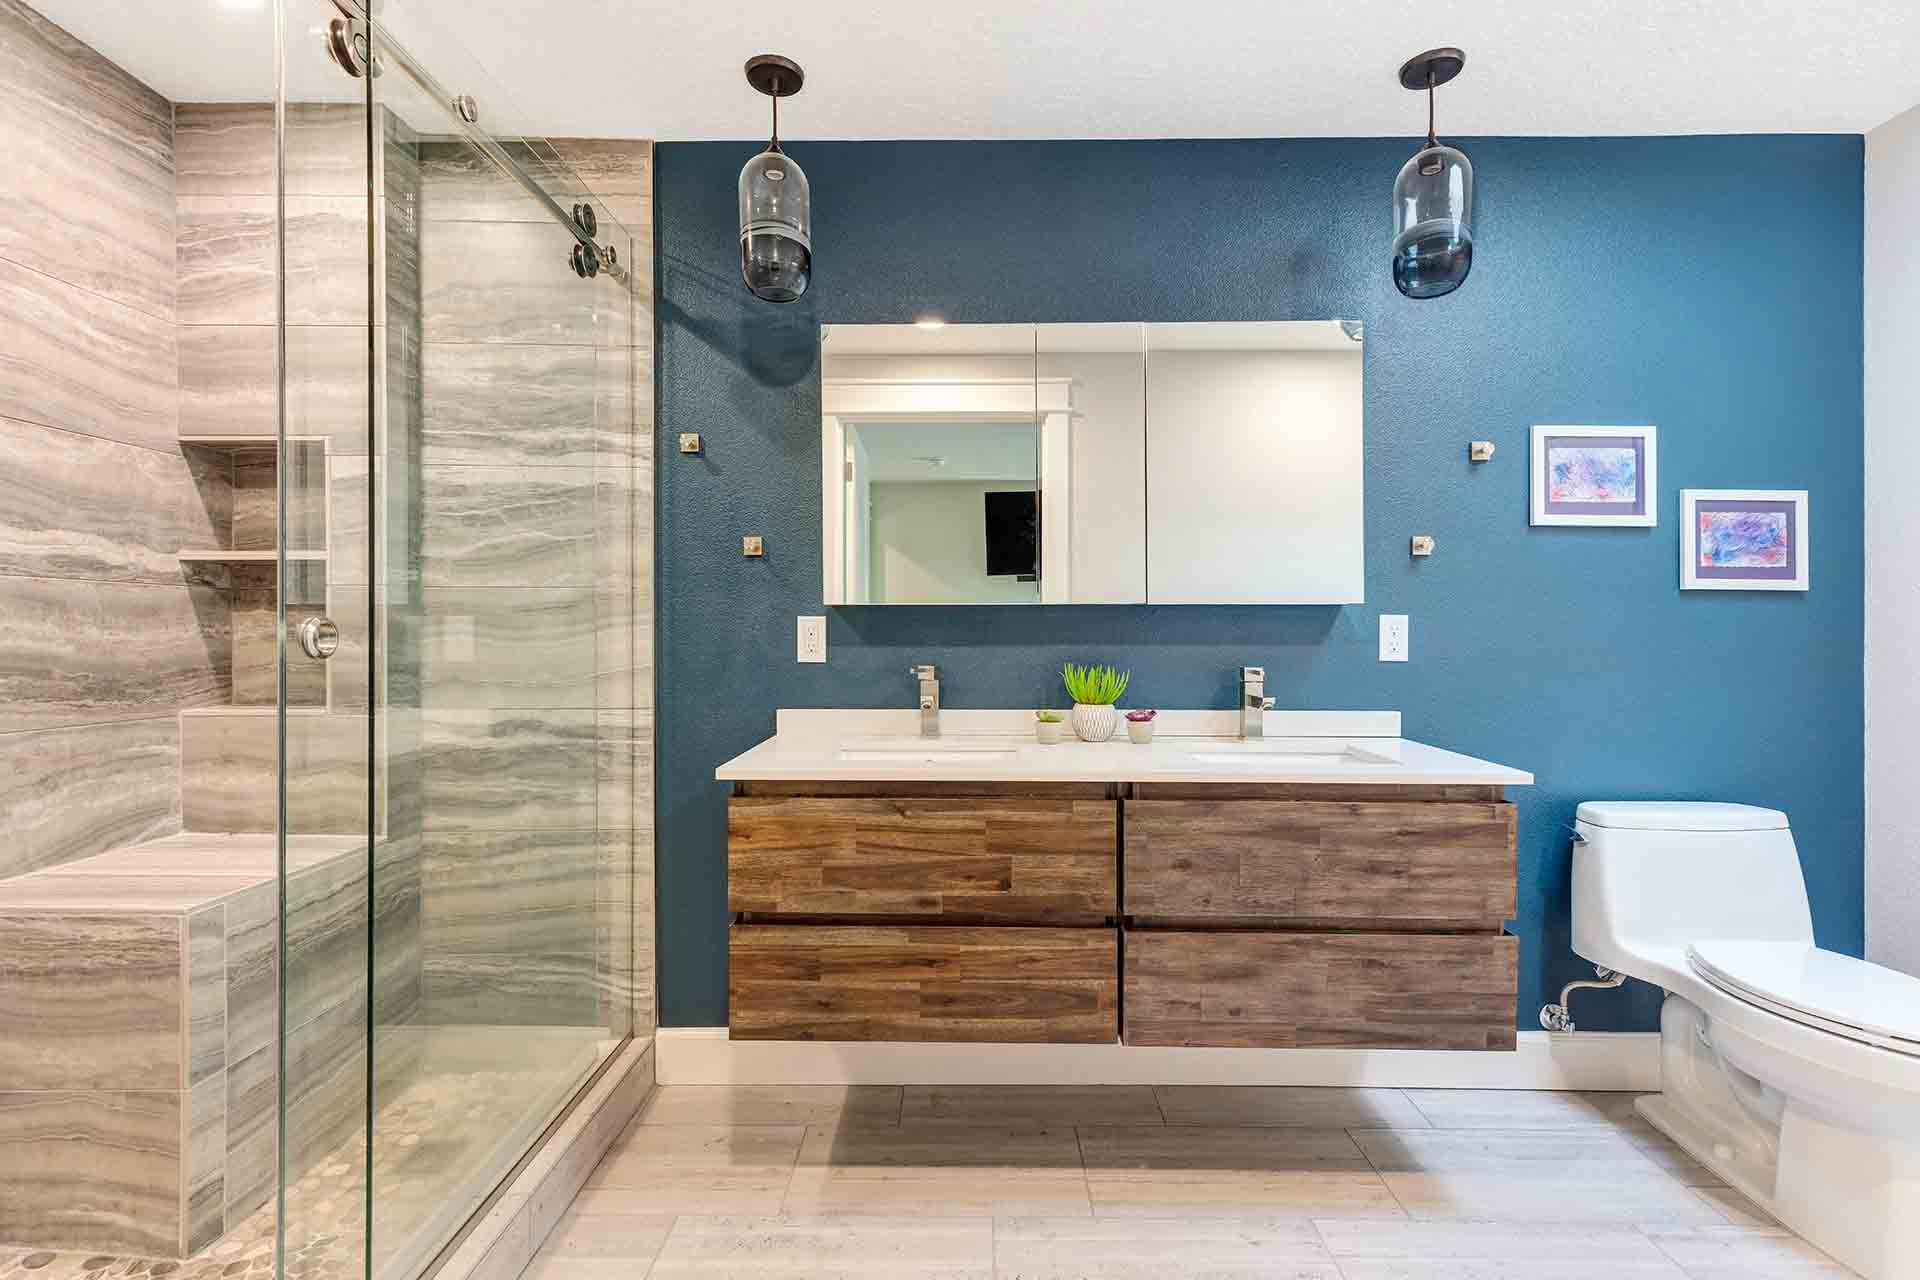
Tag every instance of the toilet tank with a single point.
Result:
(1660, 875)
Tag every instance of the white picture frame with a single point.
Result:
(1640, 510)
(1746, 567)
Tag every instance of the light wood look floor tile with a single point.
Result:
(1737, 1209)
(1523, 1242)
(1178, 1170)
(1572, 1175)
(1667, 1153)
(693, 1169)
(632, 1236)
(1524, 1109)
(911, 1248)
(942, 1170)
(1151, 1248)
(1047, 1106)
(801, 1104)
(1290, 1106)
(1741, 1253)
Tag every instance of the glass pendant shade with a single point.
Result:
(776, 227)
(1433, 222)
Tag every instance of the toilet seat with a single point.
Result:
(1820, 989)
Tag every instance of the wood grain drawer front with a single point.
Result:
(1322, 990)
(933, 982)
(983, 858)
(1320, 860)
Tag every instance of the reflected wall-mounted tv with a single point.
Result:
(1013, 534)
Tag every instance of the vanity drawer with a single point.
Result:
(923, 982)
(1035, 859)
(1320, 860)
(1321, 990)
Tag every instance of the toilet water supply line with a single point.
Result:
(1557, 1017)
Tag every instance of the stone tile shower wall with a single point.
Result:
(101, 641)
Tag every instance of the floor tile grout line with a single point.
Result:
(673, 1225)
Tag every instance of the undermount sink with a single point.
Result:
(931, 750)
(1266, 752)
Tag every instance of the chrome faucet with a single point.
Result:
(1254, 702)
(929, 678)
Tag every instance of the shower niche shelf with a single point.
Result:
(240, 481)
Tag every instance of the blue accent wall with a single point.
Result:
(1710, 286)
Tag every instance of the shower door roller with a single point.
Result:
(319, 637)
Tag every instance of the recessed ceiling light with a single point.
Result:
(929, 322)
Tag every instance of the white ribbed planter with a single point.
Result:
(1093, 723)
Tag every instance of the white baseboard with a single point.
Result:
(1582, 1060)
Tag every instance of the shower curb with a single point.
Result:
(507, 1234)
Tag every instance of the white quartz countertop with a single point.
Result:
(1188, 746)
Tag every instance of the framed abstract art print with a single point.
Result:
(1743, 539)
(1593, 476)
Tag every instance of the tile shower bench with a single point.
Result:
(138, 1006)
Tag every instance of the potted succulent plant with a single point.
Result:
(1094, 690)
(1048, 726)
(1140, 726)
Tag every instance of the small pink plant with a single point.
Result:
(1141, 717)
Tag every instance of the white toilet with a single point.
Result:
(1791, 1072)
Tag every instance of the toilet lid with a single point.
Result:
(1820, 988)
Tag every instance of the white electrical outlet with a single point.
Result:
(813, 639)
(1393, 637)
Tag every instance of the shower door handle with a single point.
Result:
(319, 637)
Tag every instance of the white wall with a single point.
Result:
(1893, 529)
(929, 545)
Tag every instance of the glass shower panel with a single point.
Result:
(504, 595)
(333, 207)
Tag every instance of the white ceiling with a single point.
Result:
(670, 69)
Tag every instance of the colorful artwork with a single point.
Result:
(1584, 473)
(1743, 539)
(1593, 476)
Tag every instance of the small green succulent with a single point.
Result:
(1094, 686)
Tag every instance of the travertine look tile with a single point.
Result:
(204, 1174)
(911, 1248)
(65, 509)
(1288, 1106)
(1532, 1243)
(1160, 1249)
(1576, 1175)
(1744, 1253)
(532, 405)
(227, 270)
(228, 382)
(1524, 1109)
(74, 652)
(89, 1001)
(505, 647)
(71, 792)
(229, 763)
(92, 1170)
(1044, 1106)
(496, 282)
(91, 201)
(252, 1144)
(808, 1104)
(82, 363)
(228, 149)
(694, 1168)
(1182, 1170)
(508, 770)
(507, 526)
(206, 994)
(937, 1169)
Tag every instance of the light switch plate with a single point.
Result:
(1393, 637)
(812, 639)
(751, 545)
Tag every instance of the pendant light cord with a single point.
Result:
(1431, 140)
(775, 144)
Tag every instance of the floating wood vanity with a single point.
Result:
(986, 888)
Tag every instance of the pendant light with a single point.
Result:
(1433, 196)
(776, 218)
